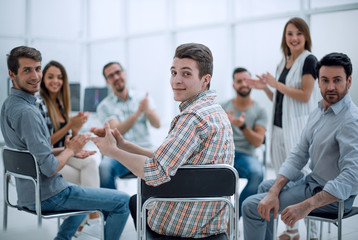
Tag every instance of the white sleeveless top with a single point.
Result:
(294, 113)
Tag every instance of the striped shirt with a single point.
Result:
(201, 134)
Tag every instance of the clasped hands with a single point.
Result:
(290, 215)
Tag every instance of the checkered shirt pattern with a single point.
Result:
(44, 112)
(201, 134)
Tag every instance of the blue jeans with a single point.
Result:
(109, 170)
(294, 192)
(113, 204)
(250, 168)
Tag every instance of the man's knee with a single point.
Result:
(249, 205)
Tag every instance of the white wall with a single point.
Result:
(143, 34)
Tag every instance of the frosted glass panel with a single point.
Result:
(106, 18)
(217, 40)
(258, 49)
(101, 54)
(330, 3)
(189, 12)
(6, 46)
(335, 32)
(144, 15)
(67, 54)
(12, 24)
(245, 8)
(59, 19)
(150, 59)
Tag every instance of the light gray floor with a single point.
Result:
(23, 226)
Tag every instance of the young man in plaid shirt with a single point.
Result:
(200, 134)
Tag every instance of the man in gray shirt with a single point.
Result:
(329, 139)
(248, 121)
(24, 128)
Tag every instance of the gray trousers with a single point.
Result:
(258, 228)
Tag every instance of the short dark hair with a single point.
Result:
(200, 53)
(239, 70)
(336, 59)
(21, 52)
(109, 64)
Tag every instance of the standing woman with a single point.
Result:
(294, 96)
(55, 106)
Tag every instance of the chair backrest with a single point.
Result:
(196, 181)
(212, 182)
(20, 162)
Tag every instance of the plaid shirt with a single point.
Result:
(200, 134)
(44, 112)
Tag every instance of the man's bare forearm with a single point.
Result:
(280, 182)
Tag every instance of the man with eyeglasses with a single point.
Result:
(128, 111)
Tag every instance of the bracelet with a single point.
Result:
(243, 126)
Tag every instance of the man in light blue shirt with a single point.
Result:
(329, 139)
(129, 112)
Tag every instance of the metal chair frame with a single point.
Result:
(336, 219)
(22, 164)
(189, 185)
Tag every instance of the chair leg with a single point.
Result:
(5, 217)
(320, 229)
(274, 230)
(329, 227)
(101, 217)
(308, 228)
(58, 223)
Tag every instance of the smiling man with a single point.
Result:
(329, 139)
(199, 134)
(24, 128)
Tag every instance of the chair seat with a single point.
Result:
(128, 176)
(50, 214)
(155, 236)
(333, 216)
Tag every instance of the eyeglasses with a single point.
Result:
(111, 76)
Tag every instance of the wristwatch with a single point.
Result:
(243, 126)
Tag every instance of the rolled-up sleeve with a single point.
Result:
(181, 143)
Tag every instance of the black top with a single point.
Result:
(309, 67)
(61, 142)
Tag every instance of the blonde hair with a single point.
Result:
(63, 96)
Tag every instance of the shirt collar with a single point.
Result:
(114, 96)
(209, 94)
(25, 95)
(338, 106)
